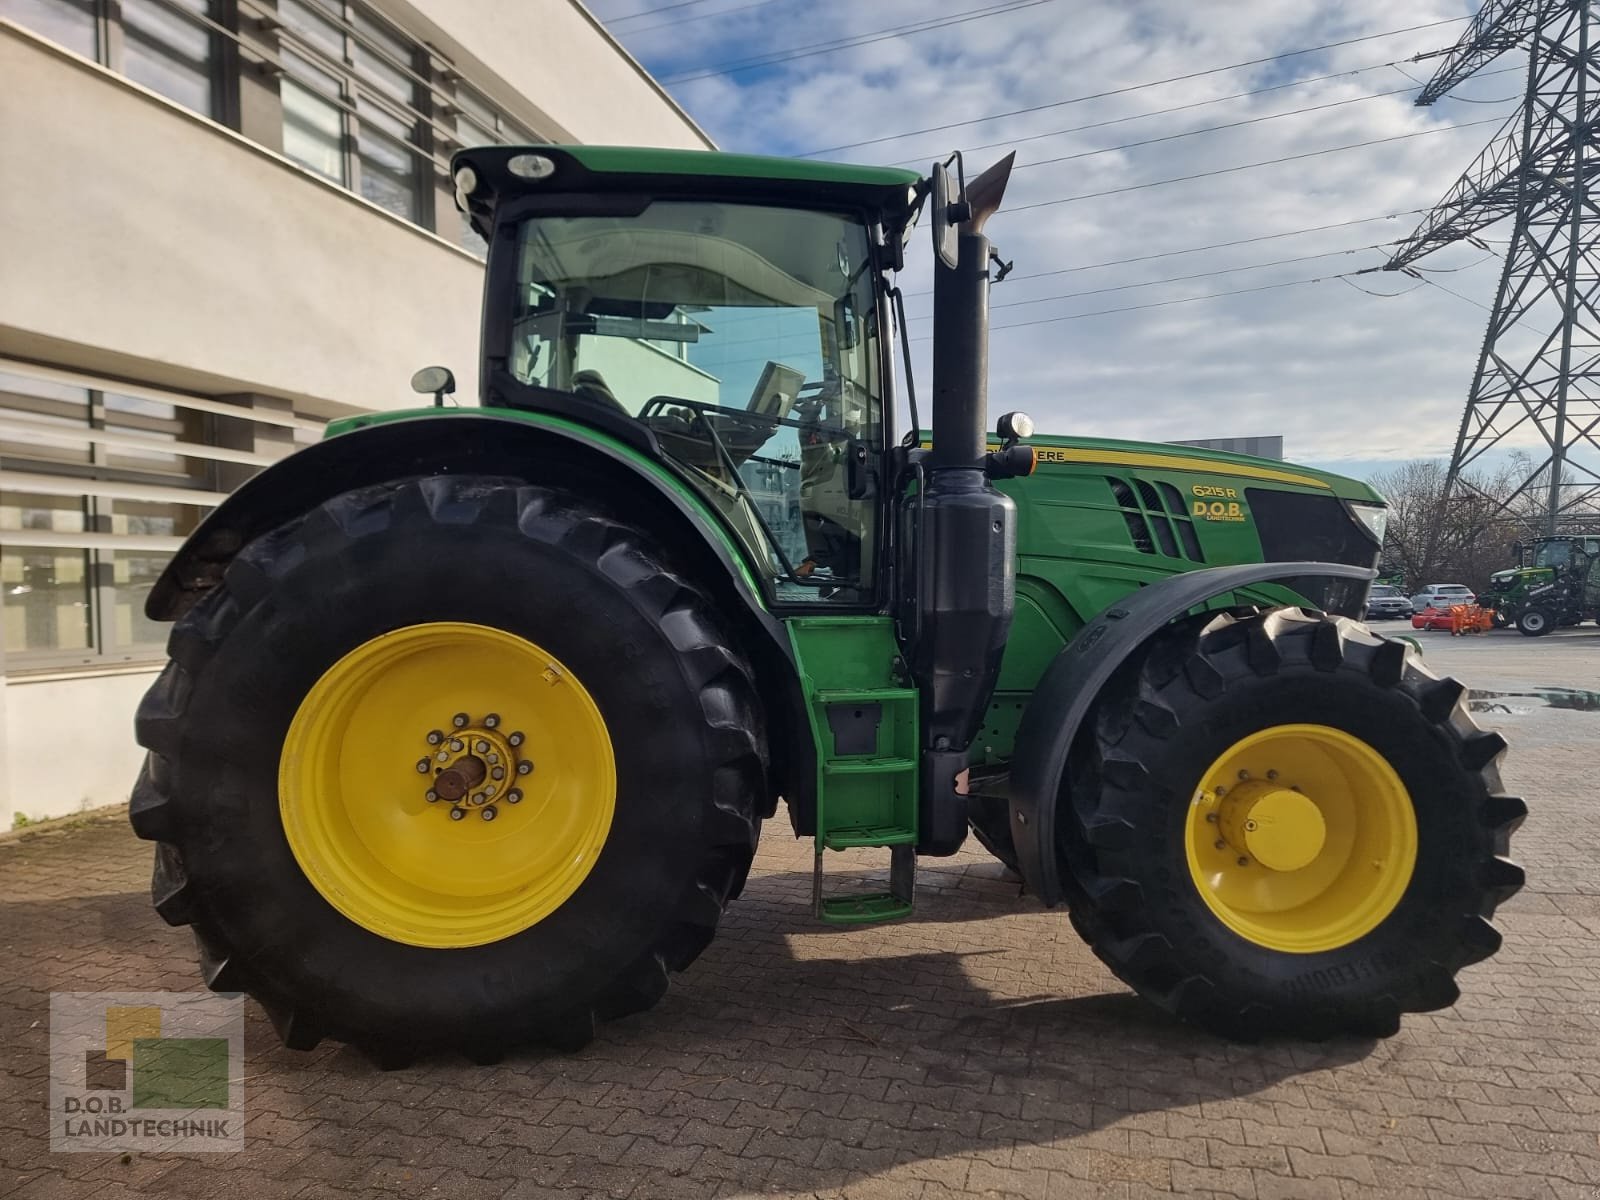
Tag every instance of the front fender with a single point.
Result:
(469, 441)
(541, 448)
(1073, 681)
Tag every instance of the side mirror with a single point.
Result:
(1516, 552)
(946, 243)
(437, 380)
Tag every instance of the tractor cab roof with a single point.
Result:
(501, 172)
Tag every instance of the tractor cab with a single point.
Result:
(743, 338)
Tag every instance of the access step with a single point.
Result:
(866, 907)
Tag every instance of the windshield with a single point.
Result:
(1559, 553)
(746, 337)
(1384, 591)
(1552, 554)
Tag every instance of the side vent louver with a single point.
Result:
(1157, 520)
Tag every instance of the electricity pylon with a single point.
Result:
(1537, 385)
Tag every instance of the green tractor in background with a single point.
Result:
(1556, 582)
(474, 714)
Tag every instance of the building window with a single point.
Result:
(362, 105)
(69, 23)
(354, 105)
(101, 488)
(169, 46)
(166, 47)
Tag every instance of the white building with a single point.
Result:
(223, 222)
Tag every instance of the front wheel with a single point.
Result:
(451, 763)
(1284, 823)
(1535, 622)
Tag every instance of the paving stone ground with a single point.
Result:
(976, 1050)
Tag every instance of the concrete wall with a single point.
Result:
(137, 238)
(69, 743)
(142, 242)
(579, 84)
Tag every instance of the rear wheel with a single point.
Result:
(451, 763)
(1284, 823)
(1536, 622)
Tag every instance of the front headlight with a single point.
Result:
(1374, 518)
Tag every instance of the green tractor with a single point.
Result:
(474, 714)
(1556, 582)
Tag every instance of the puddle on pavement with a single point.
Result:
(1551, 697)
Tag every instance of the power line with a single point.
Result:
(1102, 312)
(882, 35)
(1162, 112)
(1268, 162)
(710, 16)
(1379, 295)
(1125, 287)
(1170, 137)
(645, 12)
(1265, 237)
(1133, 87)
(1450, 291)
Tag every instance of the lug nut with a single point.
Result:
(493, 758)
(491, 721)
(489, 813)
(1212, 817)
(1221, 791)
(514, 796)
(1243, 861)
(442, 756)
(515, 739)
(1244, 774)
(422, 766)
(460, 720)
(1272, 774)
(490, 791)
(456, 814)
(431, 796)
(1220, 844)
(497, 773)
(435, 737)
(457, 745)
(481, 746)
(524, 767)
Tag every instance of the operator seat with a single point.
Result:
(591, 385)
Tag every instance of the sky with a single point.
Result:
(1354, 381)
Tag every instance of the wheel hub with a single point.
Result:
(474, 766)
(1275, 826)
(363, 818)
(1300, 837)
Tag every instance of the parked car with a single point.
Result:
(1442, 595)
(1385, 601)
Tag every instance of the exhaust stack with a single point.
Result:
(965, 574)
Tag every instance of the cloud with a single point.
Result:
(1342, 374)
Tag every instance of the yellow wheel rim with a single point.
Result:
(447, 784)
(1301, 838)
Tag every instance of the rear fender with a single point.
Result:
(1072, 683)
(540, 449)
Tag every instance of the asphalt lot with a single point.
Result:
(975, 1050)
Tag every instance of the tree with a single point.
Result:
(1460, 538)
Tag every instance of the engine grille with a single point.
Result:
(1296, 527)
